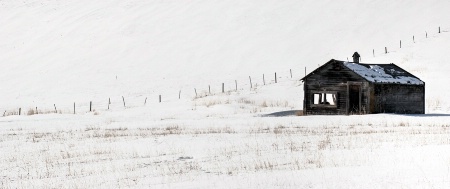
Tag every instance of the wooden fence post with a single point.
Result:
(290, 70)
(400, 43)
(275, 77)
(20, 110)
(123, 99)
(209, 89)
(90, 106)
(109, 102)
(373, 52)
(264, 80)
(37, 110)
(179, 94)
(195, 92)
(160, 98)
(145, 102)
(235, 82)
(414, 40)
(439, 29)
(385, 50)
(426, 34)
(251, 85)
(223, 87)
(55, 108)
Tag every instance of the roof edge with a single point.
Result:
(312, 72)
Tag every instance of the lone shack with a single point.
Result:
(341, 87)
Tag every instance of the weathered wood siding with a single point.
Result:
(333, 77)
(396, 98)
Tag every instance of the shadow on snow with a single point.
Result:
(294, 113)
(425, 115)
(282, 114)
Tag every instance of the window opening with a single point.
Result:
(325, 99)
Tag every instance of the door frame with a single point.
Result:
(348, 95)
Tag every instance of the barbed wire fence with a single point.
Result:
(227, 87)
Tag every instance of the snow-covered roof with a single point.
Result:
(383, 73)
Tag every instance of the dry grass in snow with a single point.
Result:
(103, 152)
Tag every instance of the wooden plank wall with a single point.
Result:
(332, 77)
(402, 99)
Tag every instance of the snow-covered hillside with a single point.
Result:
(60, 52)
(56, 53)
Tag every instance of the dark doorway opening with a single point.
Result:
(354, 99)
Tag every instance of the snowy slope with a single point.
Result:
(60, 52)
(56, 52)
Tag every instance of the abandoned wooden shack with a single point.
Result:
(341, 87)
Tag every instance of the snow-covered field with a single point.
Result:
(57, 53)
(141, 148)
